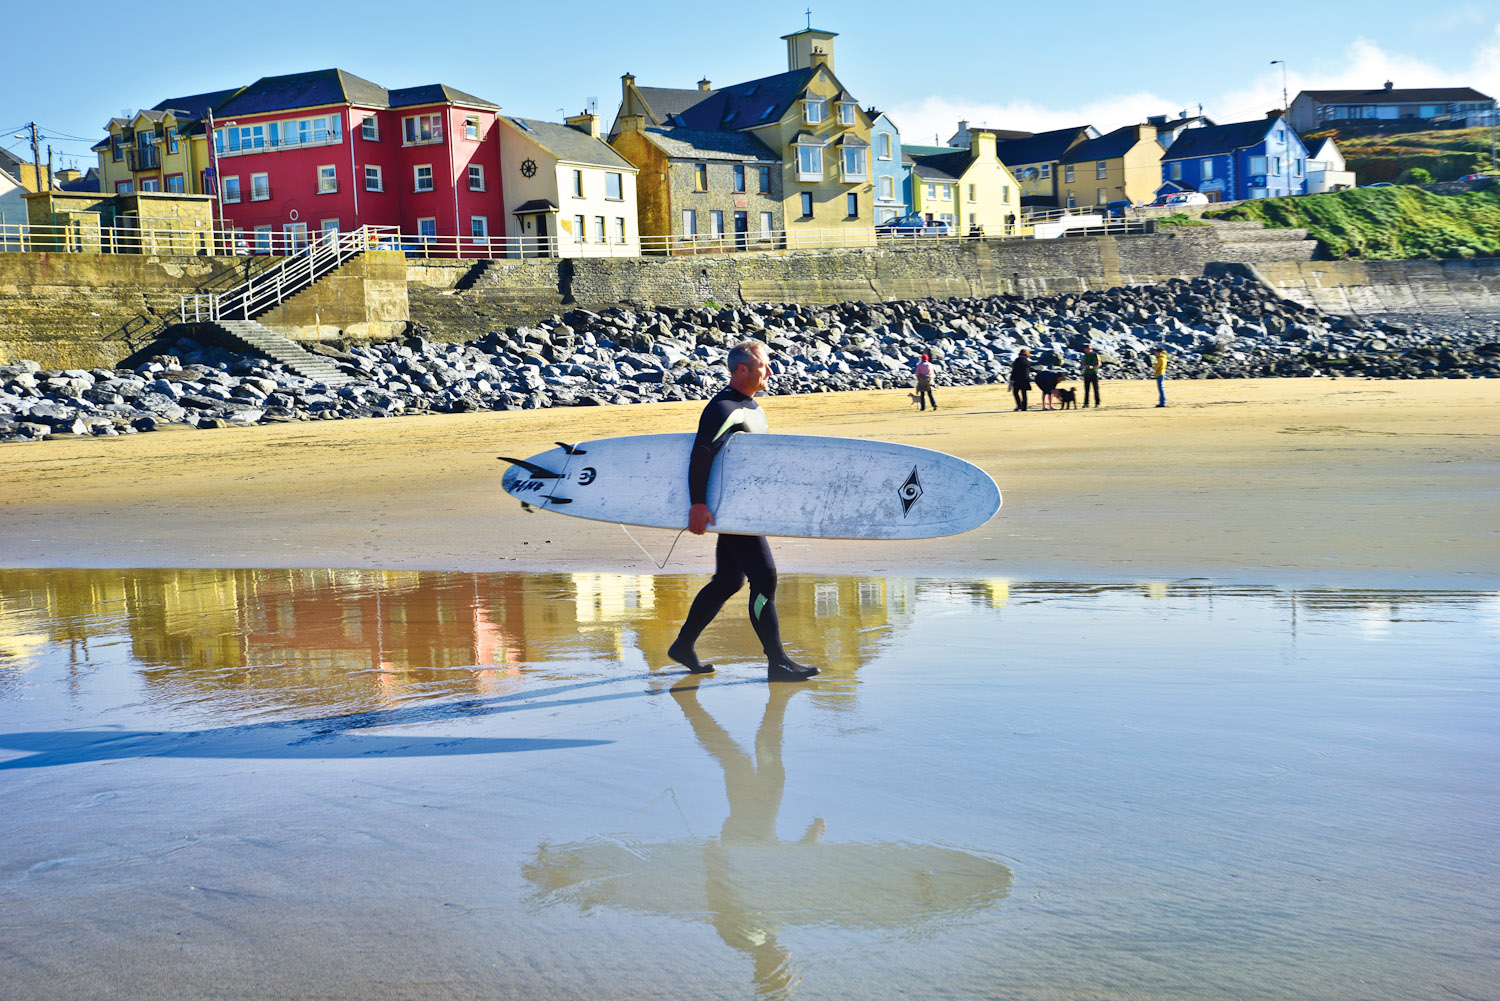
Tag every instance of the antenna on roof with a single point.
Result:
(593, 103)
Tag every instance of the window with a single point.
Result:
(700, 177)
(471, 128)
(1101, 196)
(124, 187)
(809, 163)
(176, 185)
(807, 205)
(972, 196)
(851, 205)
(263, 239)
(1176, 170)
(1046, 170)
(423, 129)
(577, 184)
(1068, 174)
(765, 180)
(476, 177)
(171, 140)
(1207, 169)
(151, 184)
(232, 189)
(812, 111)
(422, 177)
(369, 128)
(1276, 165)
(599, 229)
(767, 225)
(856, 165)
(1297, 168)
(479, 227)
(947, 192)
(739, 176)
(619, 229)
(117, 147)
(887, 187)
(1257, 165)
(1005, 192)
(614, 186)
(260, 187)
(884, 146)
(846, 113)
(932, 191)
(1101, 169)
(690, 223)
(328, 179)
(329, 226)
(374, 177)
(427, 228)
(579, 236)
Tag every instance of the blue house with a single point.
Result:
(891, 175)
(1259, 159)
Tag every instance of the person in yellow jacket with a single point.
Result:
(1159, 370)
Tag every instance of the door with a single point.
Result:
(741, 229)
(295, 235)
(543, 241)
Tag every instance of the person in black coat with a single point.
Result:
(1047, 380)
(1020, 378)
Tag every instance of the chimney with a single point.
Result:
(585, 121)
(629, 123)
(979, 139)
(1274, 113)
(705, 85)
(1389, 85)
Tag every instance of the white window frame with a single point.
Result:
(479, 177)
(265, 239)
(580, 229)
(577, 184)
(416, 177)
(887, 188)
(224, 187)
(716, 223)
(327, 226)
(471, 128)
(846, 112)
(814, 110)
(378, 177)
(295, 235)
(328, 178)
(690, 224)
(151, 184)
(885, 146)
(812, 170)
(1258, 165)
(479, 227)
(1067, 173)
(181, 180)
(427, 229)
(614, 181)
(1174, 172)
(767, 225)
(1045, 171)
(947, 192)
(862, 173)
(1101, 196)
(369, 128)
(255, 185)
(413, 128)
(601, 233)
(1206, 169)
(619, 229)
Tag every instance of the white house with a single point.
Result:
(1325, 169)
(567, 193)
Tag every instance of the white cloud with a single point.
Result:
(920, 121)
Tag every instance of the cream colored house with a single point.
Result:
(1123, 165)
(811, 124)
(1326, 170)
(969, 189)
(567, 193)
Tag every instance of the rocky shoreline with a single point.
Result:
(1219, 328)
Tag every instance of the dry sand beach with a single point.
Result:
(1350, 482)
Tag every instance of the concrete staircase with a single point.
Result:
(255, 338)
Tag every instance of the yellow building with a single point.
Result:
(164, 148)
(1033, 160)
(969, 189)
(1123, 165)
(811, 124)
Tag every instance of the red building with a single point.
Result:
(309, 152)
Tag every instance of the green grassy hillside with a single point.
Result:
(1447, 154)
(1386, 224)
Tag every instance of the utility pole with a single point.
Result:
(49, 166)
(36, 159)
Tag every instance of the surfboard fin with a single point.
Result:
(558, 500)
(539, 472)
(570, 449)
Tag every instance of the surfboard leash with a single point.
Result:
(663, 564)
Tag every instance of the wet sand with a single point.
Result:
(1354, 482)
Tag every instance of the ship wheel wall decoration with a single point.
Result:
(528, 167)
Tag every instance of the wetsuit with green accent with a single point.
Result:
(737, 558)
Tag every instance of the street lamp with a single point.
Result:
(1284, 107)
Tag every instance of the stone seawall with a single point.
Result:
(1464, 293)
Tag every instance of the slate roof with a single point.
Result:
(535, 205)
(9, 162)
(748, 104)
(1380, 95)
(918, 150)
(1040, 148)
(664, 102)
(1106, 147)
(698, 144)
(570, 145)
(1218, 139)
(88, 182)
(197, 105)
(949, 166)
(336, 86)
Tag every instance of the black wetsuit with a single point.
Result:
(737, 557)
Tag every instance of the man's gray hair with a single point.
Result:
(741, 352)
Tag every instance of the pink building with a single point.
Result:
(310, 152)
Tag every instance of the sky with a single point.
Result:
(1032, 66)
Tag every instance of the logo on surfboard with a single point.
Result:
(586, 475)
(910, 491)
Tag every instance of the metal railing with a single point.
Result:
(148, 236)
(272, 286)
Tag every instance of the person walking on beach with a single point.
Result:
(1090, 374)
(1020, 378)
(736, 557)
(924, 383)
(1047, 380)
(1159, 371)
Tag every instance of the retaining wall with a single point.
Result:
(1456, 291)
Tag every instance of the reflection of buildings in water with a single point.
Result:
(748, 883)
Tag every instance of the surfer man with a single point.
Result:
(737, 557)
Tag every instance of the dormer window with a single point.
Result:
(846, 112)
(809, 162)
(813, 111)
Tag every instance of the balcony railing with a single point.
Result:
(144, 157)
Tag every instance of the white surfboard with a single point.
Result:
(805, 486)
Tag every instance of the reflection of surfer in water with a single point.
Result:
(737, 557)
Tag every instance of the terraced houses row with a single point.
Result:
(793, 159)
